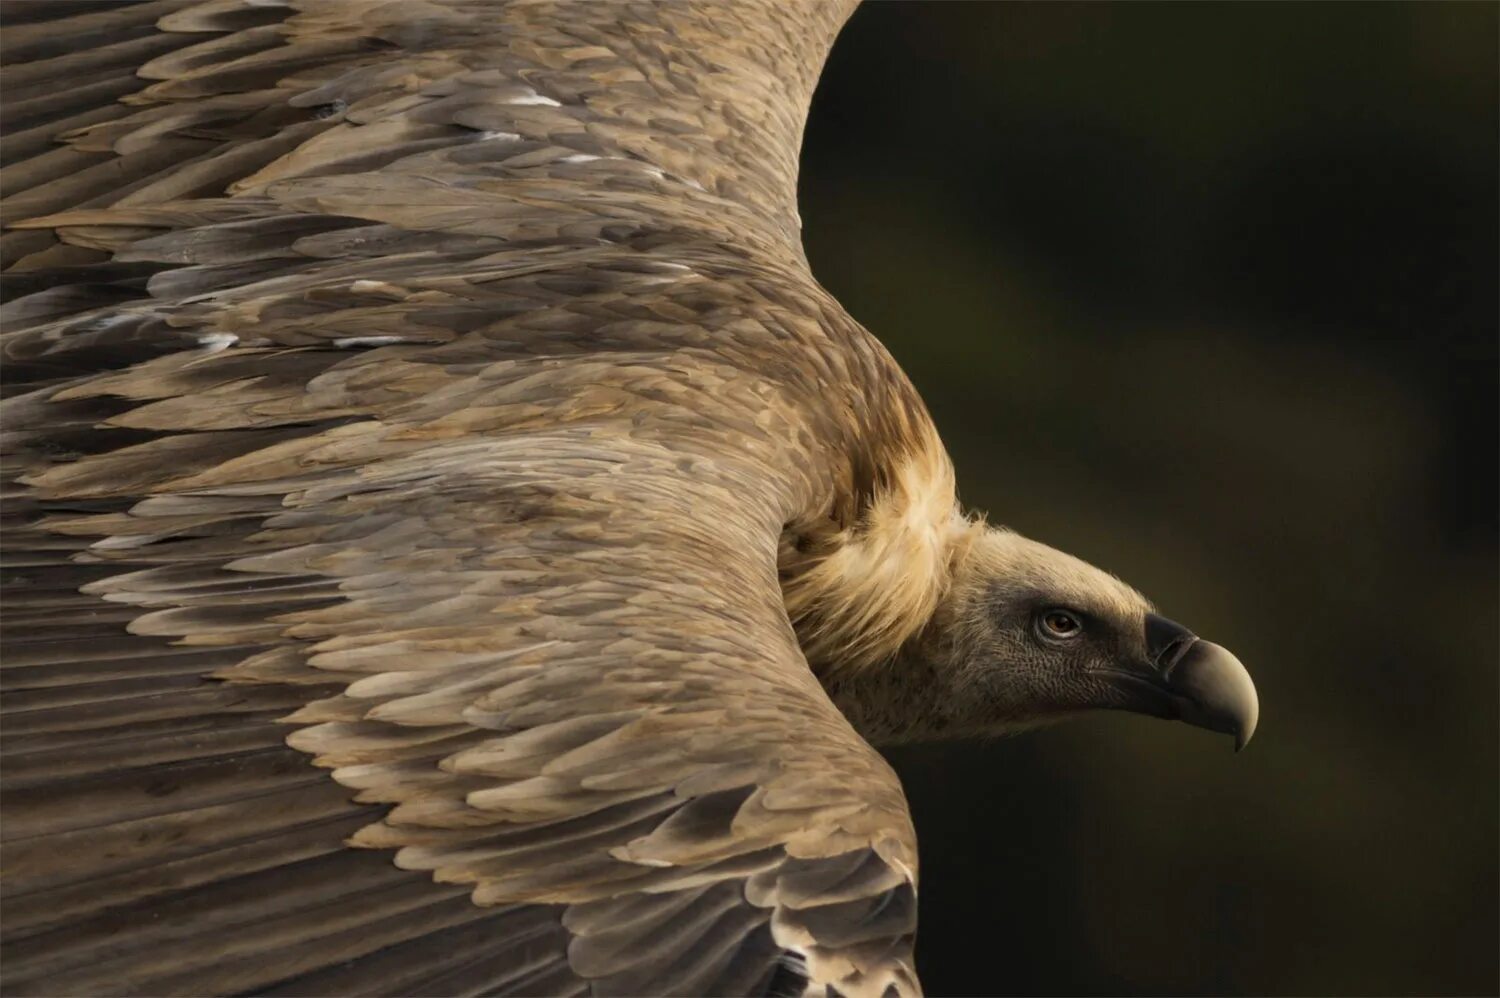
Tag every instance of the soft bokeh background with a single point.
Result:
(1207, 295)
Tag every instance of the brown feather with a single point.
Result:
(430, 390)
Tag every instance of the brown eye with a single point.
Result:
(1061, 624)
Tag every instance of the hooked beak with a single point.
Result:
(1196, 681)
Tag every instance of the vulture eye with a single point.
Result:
(1060, 624)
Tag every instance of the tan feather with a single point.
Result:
(460, 375)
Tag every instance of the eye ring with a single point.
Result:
(1059, 624)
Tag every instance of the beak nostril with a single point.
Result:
(1173, 653)
(1166, 641)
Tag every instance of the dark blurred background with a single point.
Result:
(1207, 295)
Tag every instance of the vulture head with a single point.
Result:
(1028, 633)
(1013, 634)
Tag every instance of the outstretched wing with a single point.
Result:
(406, 401)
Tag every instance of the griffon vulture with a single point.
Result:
(453, 545)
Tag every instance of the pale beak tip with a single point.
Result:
(1216, 691)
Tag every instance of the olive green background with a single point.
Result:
(1206, 295)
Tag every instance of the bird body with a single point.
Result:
(453, 544)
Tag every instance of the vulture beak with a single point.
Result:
(1197, 681)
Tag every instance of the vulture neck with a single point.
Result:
(911, 699)
(857, 594)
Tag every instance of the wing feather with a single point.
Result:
(403, 419)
